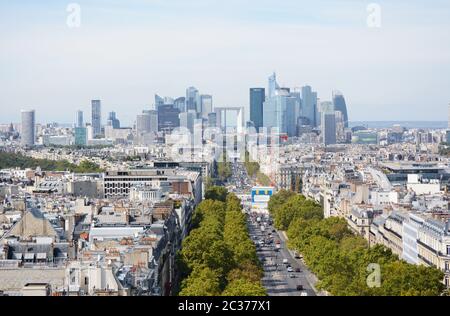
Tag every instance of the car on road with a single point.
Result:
(292, 276)
(304, 294)
(285, 261)
(299, 287)
(289, 269)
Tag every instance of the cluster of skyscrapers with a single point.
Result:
(298, 110)
(168, 114)
(291, 111)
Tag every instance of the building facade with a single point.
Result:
(28, 128)
(96, 117)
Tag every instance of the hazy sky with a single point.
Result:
(126, 51)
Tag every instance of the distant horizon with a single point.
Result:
(436, 124)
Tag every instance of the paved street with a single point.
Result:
(277, 279)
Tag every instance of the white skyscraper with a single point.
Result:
(28, 127)
(147, 122)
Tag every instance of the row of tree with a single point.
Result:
(253, 170)
(223, 170)
(342, 261)
(218, 257)
(252, 167)
(15, 160)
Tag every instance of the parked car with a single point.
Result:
(299, 287)
(298, 270)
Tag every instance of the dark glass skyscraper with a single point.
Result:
(168, 117)
(113, 121)
(340, 105)
(96, 117)
(257, 98)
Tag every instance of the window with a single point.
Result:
(448, 249)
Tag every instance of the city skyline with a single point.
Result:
(210, 151)
(76, 65)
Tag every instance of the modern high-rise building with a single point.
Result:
(96, 115)
(153, 120)
(113, 121)
(158, 101)
(279, 112)
(340, 126)
(340, 105)
(328, 123)
(318, 113)
(296, 93)
(80, 119)
(257, 99)
(143, 123)
(147, 122)
(192, 100)
(180, 104)
(281, 108)
(309, 106)
(206, 105)
(168, 100)
(212, 119)
(187, 120)
(90, 132)
(28, 128)
(81, 136)
(168, 117)
(273, 85)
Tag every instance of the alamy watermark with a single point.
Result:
(74, 15)
(374, 277)
(374, 17)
